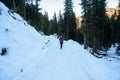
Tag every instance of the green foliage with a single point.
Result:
(45, 23)
(8, 3)
(94, 23)
(115, 28)
(107, 33)
(33, 16)
(69, 20)
(118, 29)
(16, 5)
(79, 36)
(55, 24)
(50, 29)
(61, 28)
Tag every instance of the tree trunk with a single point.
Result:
(14, 5)
(32, 2)
(24, 10)
(85, 41)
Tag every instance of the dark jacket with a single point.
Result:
(61, 40)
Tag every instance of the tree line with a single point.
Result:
(98, 31)
(30, 10)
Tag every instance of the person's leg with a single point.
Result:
(61, 45)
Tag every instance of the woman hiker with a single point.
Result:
(61, 41)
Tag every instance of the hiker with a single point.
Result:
(61, 41)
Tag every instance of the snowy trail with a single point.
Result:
(56, 65)
(63, 67)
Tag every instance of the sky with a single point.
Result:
(52, 6)
(32, 56)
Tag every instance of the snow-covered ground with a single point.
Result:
(31, 56)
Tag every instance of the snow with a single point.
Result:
(32, 56)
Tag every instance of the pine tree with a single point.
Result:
(55, 24)
(113, 29)
(45, 23)
(107, 36)
(118, 29)
(94, 21)
(8, 3)
(33, 16)
(86, 6)
(17, 6)
(69, 20)
(50, 29)
(61, 28)
(115, 26)
(21, 8)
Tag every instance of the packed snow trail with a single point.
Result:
(55, 65)
(61, 64)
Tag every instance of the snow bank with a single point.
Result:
(23, 43)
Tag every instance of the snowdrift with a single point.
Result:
(23, 43)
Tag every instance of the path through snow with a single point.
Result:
(57, 64)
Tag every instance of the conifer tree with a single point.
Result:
(55, 24)
(9, 3)
(95, 22)
(61, 28)
(17, 6)
(45, 23)
(112, 26)
(118, 23)
(69, 20)
(86, 6)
